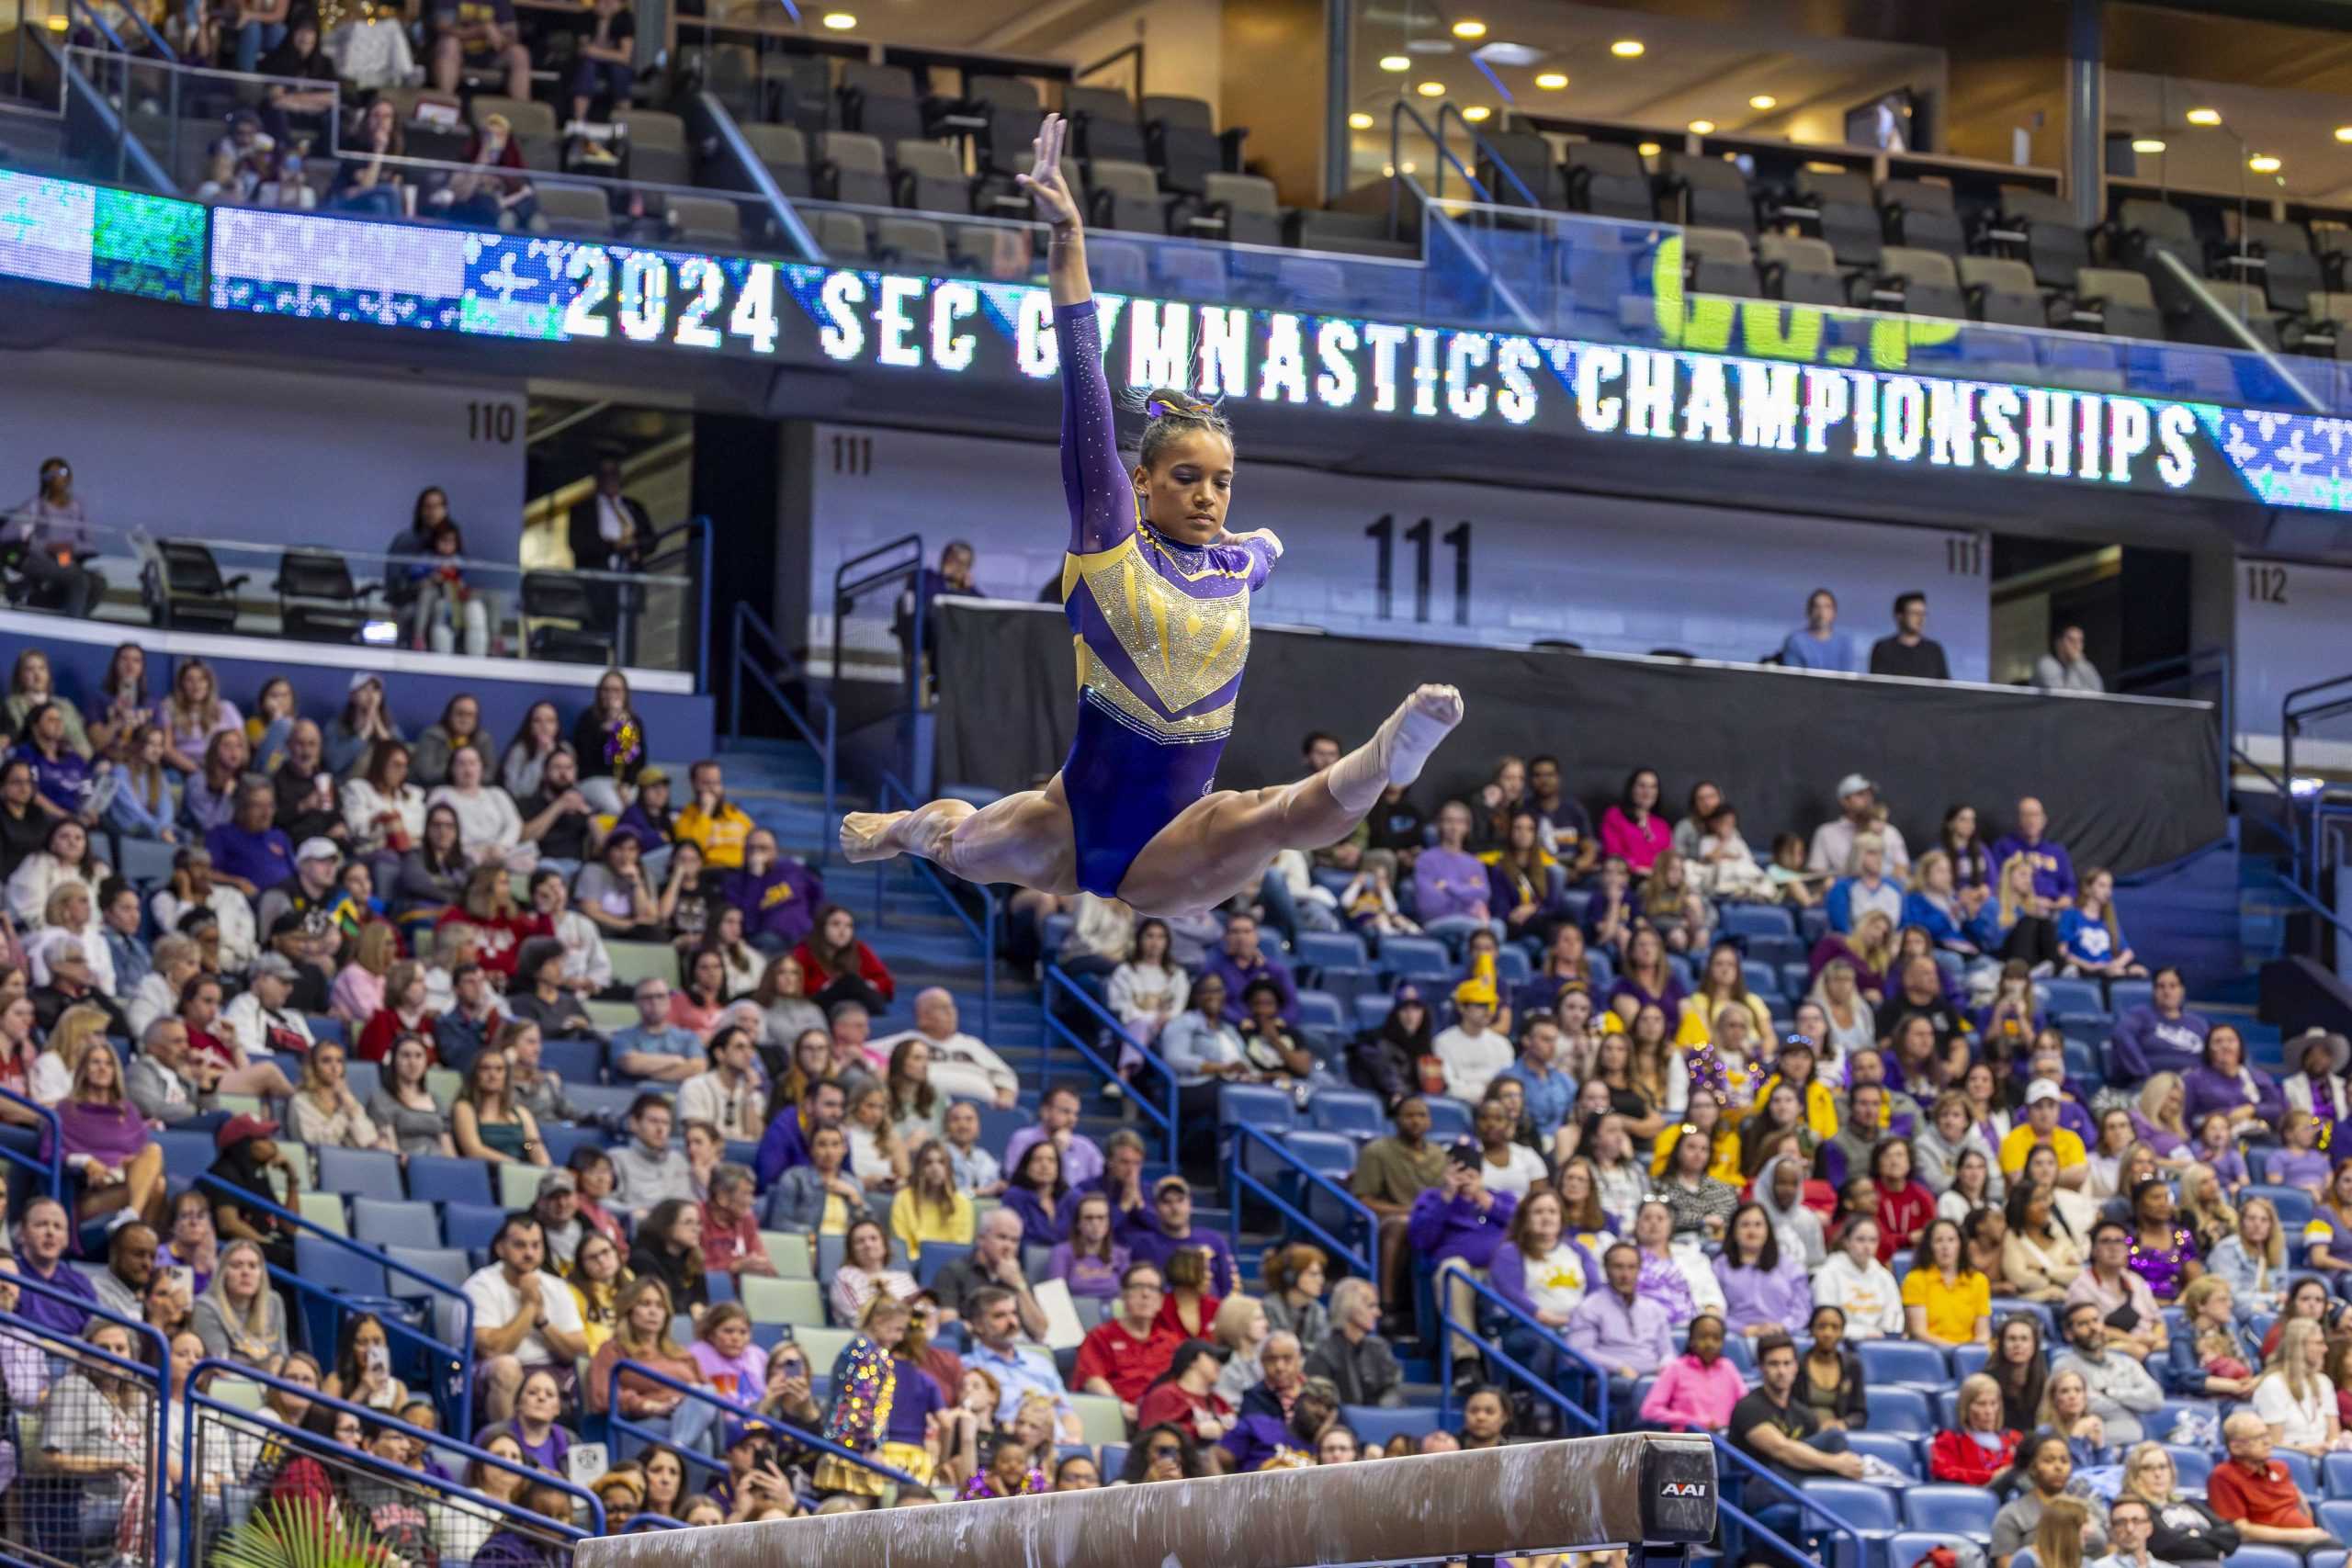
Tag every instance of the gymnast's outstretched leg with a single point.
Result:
(1024, 838)
(1219, 846)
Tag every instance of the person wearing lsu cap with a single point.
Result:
(1172, 1231)
(2040, 1126)
(1833, 843)
(315, 891)
(1473, 1050)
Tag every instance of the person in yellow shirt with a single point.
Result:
(715, 823)
(1946, 1300)
(929, 1208)
(2040, 1126)
(1702, 1118)
(1796, 1064)
(1725, 984)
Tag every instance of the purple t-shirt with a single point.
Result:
(264, 859)
(44, 1309)
(1448, 883)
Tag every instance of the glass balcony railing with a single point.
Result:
(188, 580)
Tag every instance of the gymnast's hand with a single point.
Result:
(1272, 543)
(1044, 182)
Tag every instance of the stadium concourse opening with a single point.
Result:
(1649, 1493)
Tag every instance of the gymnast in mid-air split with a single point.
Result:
(1157, 592)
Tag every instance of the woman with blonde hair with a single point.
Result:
(1242, 1328)
(104, 1139)
(1724, 984)
(1853, 1024)
(2187, 1533)
(2058, 1538)
(363, 982)
(2015, 923)
(1979, 1451)
(929, 1208)
(2294, 1396)
(2067, 1410)
(2204, 1209)
(239, 1317)
(194, 714)
(885, 1405)
(2254, 1262)
(641, 1334)
(55, 1068)
(324, 1113)
(597, 1277)
(487, 1122)
(2157, 1117)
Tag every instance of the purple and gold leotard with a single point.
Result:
(1161, 629)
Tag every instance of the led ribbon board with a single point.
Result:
(684, 302)
(87, 236)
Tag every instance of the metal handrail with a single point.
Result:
(1245, 1137)
(848, 590)
(1433, 215)
(1482, 144)
(2295, 709)
(160, 1373)
(1059, 980)
(2184, 669)
(982, 931)
(1747, 1467)
(747, 162)
(743, 665)
(463, 1352)
(1597, 1418)
(1399, 112)
(738, 1412)
(52, 1139)
(129, 152)
(363, 1460)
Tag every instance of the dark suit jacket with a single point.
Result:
(590, 551)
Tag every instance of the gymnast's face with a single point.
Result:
(1186, 493)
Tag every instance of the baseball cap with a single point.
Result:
(743, 1431)
(2039, 1089)
(287, 924)
(1168, 1183)
(557, 1181)
(276, 963)
(364, 677)
(652, 775)
(1853, 784)
(1477, 988)
(319, 849)
(240, 1127)
(1409, 992)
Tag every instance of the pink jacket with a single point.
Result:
(1689, 1397)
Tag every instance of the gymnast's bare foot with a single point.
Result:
(866, 835)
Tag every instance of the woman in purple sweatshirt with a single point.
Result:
(2248, 1096)
(2160, 1035)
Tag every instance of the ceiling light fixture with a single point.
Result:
(1763, 101)
(1647, 149)
(2263, 163)
(1553, 81)
(1392, 63)
(2146, 144)
(1702, 128)
(840, 21)
(1468, 29)
(1359, 121)
(2344, 133)
(1476, 113)
(1431, 89)
(2204, 117)
(1627, 49)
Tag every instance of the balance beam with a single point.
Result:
(1626, 1490)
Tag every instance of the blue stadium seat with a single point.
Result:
(1685, 972)
(358, 1173)
(381, 1223)
(1321, 1011)
(1895, 1409)
(562, 1141)
(1255, 1105)
(1899, 1452)
(1904, 1361)
(445, 1264)
(1371, 1011)
(1512, 966)
(1762, 978)
(1333, 952)
(2335, 1514)
(2191, 1467)
(1753, 921)
(2337, 1473)
(433, 1178)
(363, 1078)
(1450, 1119)
(2123, 996)
(609, 1099)
(190, 1155)
(1604, 971)
(2294, 1206)
(1811, 925)
(2266, 1557)
(1374, 1425)
(937, 1254)
(998, 1124)
(1779, 951)
(1950, 1510)
(579, 1063)
(1908, 1546)
(1415, 957)
(1327, 1154)
(346, 1273)
(2299, 1469)
(2062, 994)
(1354, 1111)
(1796, 979)
(1115, 1460)
(1870, 1511)
(469, 1226)
(325, 1026)
(1967, 1360)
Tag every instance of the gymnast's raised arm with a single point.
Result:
(1102, 499)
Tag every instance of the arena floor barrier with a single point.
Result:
(2128, 782)
(1640, 1490)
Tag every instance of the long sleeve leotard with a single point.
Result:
(1161, 630)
